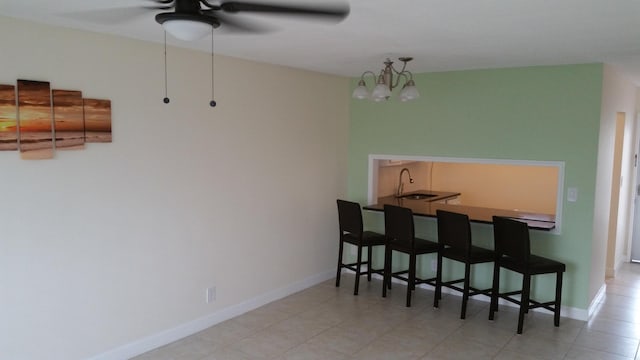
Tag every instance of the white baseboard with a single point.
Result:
(596, 300)
(162, 338)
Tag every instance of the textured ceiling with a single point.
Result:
(441, 35)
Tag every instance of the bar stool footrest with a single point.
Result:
(472, 290)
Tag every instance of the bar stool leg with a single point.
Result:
(524, 300)
(369, 253)
(465, 293)
(556, 308)
(339, 264)
(438, 293)
(412, 278)
(386, 277)
(495, 291)
(358, 272)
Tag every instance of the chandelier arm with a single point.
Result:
(370, 73)
(404, 66)
(367, 72)
(399, 74)
(410, 77)
(410, 74)
(406, 74)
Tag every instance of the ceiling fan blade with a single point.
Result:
(235, 25)
(337, 11)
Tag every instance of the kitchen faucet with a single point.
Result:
(400, 183)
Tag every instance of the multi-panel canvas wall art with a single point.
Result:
(8, 118)
(97, 120)
(68, 119)
(31, 114)
(34, 119)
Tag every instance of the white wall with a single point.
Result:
(105, 246)
(618, 95)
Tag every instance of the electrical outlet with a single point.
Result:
(434, 265)
(210, 294)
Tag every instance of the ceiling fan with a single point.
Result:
(194, 19)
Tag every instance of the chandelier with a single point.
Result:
(386, 83)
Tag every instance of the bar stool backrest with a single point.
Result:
(454, 230)
(350, 218)
(398, 224)
(511, 239)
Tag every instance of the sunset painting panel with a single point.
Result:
(34, 117)
(8, 122)
(97, 120)
(68, 119)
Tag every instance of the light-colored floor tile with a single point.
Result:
(478, 333)
(615, 327)
(346, 340)
(261, 318)
(190, 348)
(543, 348)
(624, 289)
(157, 354)
(455, 349)
(313, 351)
(620, 301)
(605, 342)
(225, 333)
(304, 328)
(325, 322)
(581, 353)
(540, 324)
(267, 344)
(617, 313)
(396, 346)
(227, 353)
(515, 355)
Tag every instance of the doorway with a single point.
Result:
(635, 237)
(616, 184)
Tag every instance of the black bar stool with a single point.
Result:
(512, 248)
(351, 231)
(454, 239)
(400, 234)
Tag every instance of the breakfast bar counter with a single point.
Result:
(428, 207)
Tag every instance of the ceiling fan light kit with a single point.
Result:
(187, 27)
(385, 83)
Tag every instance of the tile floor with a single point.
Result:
(325, 322)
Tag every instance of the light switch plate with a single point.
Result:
(572, 194)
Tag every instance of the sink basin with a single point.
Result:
(416, 196)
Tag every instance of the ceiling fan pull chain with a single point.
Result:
(166, 98)
(212, 103)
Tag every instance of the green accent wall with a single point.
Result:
(547, 113)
